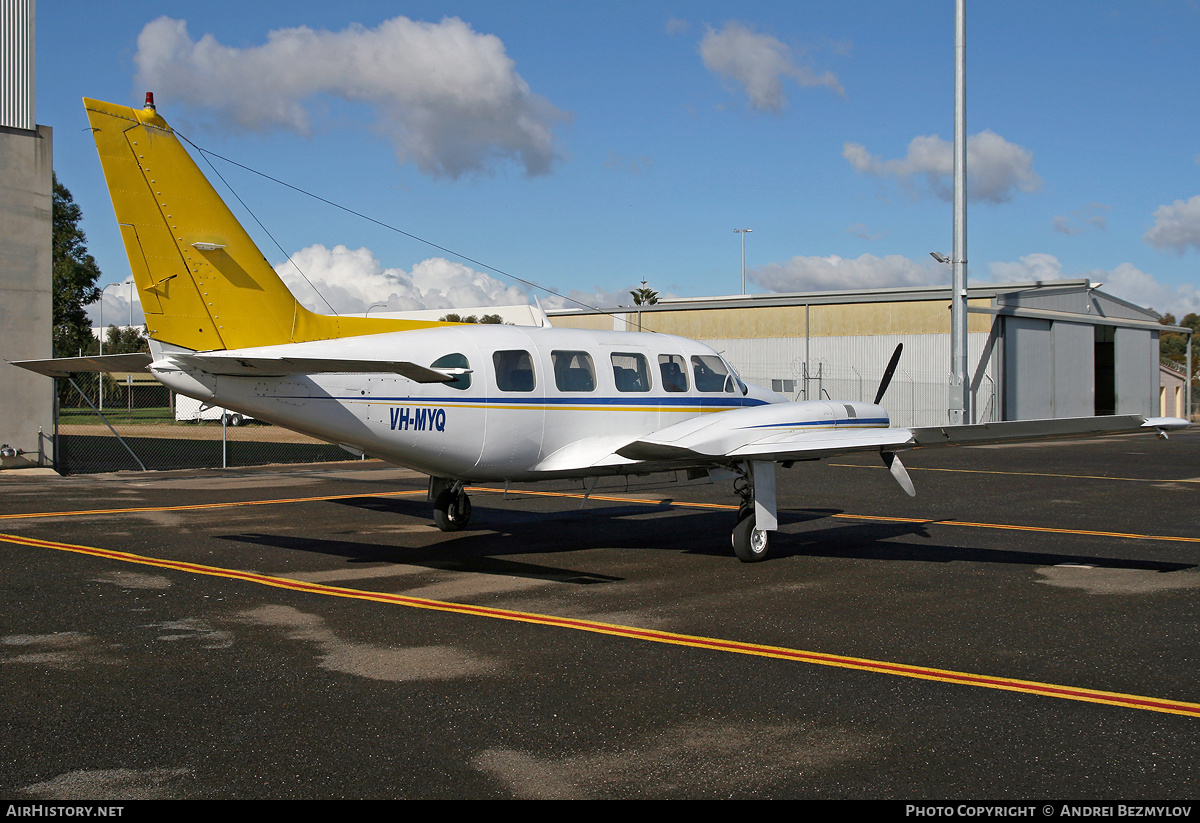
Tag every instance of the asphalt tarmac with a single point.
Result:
(1028, 627)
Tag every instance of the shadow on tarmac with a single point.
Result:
(501, 532)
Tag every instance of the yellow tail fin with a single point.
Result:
(204, 284)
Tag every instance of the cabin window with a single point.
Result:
(514, 370)
(710, 374)
(673, 371)
(462, 380)
(573, 371)
(630, 371)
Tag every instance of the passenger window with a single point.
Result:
(710, 374)
(630, 371)
(458, 365)
(514, 370)
(573, 371)
(673, 371)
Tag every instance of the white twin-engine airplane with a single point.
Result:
(464, 402)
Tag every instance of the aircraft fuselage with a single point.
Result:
(527, 403)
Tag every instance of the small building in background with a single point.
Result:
(1060, 348)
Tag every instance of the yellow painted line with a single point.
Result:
(1025, 474)
(225, 505)
(1012, 527)
(1129, 701)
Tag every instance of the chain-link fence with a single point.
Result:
(912, 399)
(146, 427)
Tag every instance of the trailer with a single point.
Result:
(189, 409)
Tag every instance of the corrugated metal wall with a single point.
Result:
(17, 65)
(850, 368)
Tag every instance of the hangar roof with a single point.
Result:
(1051, 299)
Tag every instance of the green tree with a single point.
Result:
(1173, 345)
(74, 278)
(126, 340)
(492, 319)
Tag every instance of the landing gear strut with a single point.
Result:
(755, 484)
(451, 505)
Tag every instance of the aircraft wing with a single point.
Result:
(66, 366)
(775, 433)
(1054, 429)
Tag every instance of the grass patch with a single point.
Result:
(85, 416)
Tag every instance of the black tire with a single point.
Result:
(235, 419)
(750, 544)
(452, 512)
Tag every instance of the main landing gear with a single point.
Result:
(756, 519)
(451, 505)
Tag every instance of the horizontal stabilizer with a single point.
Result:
(279, 366)
(66, 366)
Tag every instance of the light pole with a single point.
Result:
(742, 232)
(101, 377)
(960, 387)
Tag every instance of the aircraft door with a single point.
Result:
(674, 394)
(515, 418)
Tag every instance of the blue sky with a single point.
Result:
(587, 147)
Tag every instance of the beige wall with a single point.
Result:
(828, 320)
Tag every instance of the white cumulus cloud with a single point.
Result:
(896, 271)
(354, 279)
(758, 63)
(449, 98)
(116, 300)
(1176, 226)
(996, 168)
(1037, 266)
(833, 272)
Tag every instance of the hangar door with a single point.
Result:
(1049, 369)
(1054, 368)
(1135, 371)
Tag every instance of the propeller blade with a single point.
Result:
(888, 372)
(899, 472)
